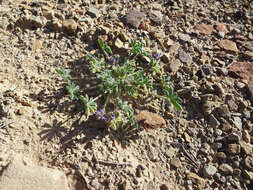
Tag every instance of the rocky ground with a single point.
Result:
(207, 47)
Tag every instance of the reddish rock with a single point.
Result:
(144, 26)
(204, 29)
(220, 27)
(228, 45)
(150, 120)
(243, 70)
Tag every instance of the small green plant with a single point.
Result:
(122, 81)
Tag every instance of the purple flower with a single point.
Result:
(112, 60)
(112, 116)
(156, 55)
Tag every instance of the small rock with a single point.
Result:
(243, 70)
(209, 170)
(156, 6)
(164, 187)
(248, 161)
(194, 177)
(70, 26)
(226, 169)
(250, 90)
(248, 174)
(221, 156)
(184, 57)
(228, 45)
(204, 29)
(123, 36)
(93, 12)
(118, 44)
(150, 120)
(144, 25)
(205, 70)
(156, 17)
(174, 66)
(238, 122)
(175, 162)
(171, 152)
(246, 136)
(184, 37)
(234, 149)
(168, 42)
(233, 137)
(187, 137)
(134, 18)
(221, 29)
(125, 186)
(21, 111)
(246, 147)
(95, 184)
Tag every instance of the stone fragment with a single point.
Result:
(247, 148)
(150, 120)
(175, 162)
(4, 23)
(221, 156)
(204, 71)
(213, 122)
(56, 25)
(118, 44)
(221, 29)
(144, 25)
(248, 174)
(243, 70)
(125, 185)
(246, 136)
(164, 187)
(4, 9)
(184, 37)
(250, 90)
(204, 29)
(237, 122)
(21, 111)
(209, 170)
(156, 17)
(93, 12)
(248, 161)
(123, 36)
(168, 42)
(174, 66)
(18, 175)
(134, 18)
(234, 149)
(184, 57)
(171, 152)
(228, 45)
(156, 6)
(196, 179)
(70, 26)
(187, 137)
(226, 169)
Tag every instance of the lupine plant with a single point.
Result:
(122, 80)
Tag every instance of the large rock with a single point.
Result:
(20, 175)
(243, 70)
(134, 18)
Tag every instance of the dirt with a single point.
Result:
(38, 120)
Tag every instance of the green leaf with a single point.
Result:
(104, 46)
(73, 90)
(90, 104)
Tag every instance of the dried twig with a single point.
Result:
(107, 163)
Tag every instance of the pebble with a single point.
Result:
(247, 148)
(70, 26)
(234, 149)
(156, 17)
(175, 162)
(209, 170)
(228, 45)
(226, 169)
(204, 29)
(93, 12)
(184, 57)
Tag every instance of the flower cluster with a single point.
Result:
(100, 115)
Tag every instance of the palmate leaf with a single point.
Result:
(90, 104)
(64, 73)
(73, 91)
(104, 47)
(96, 66)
